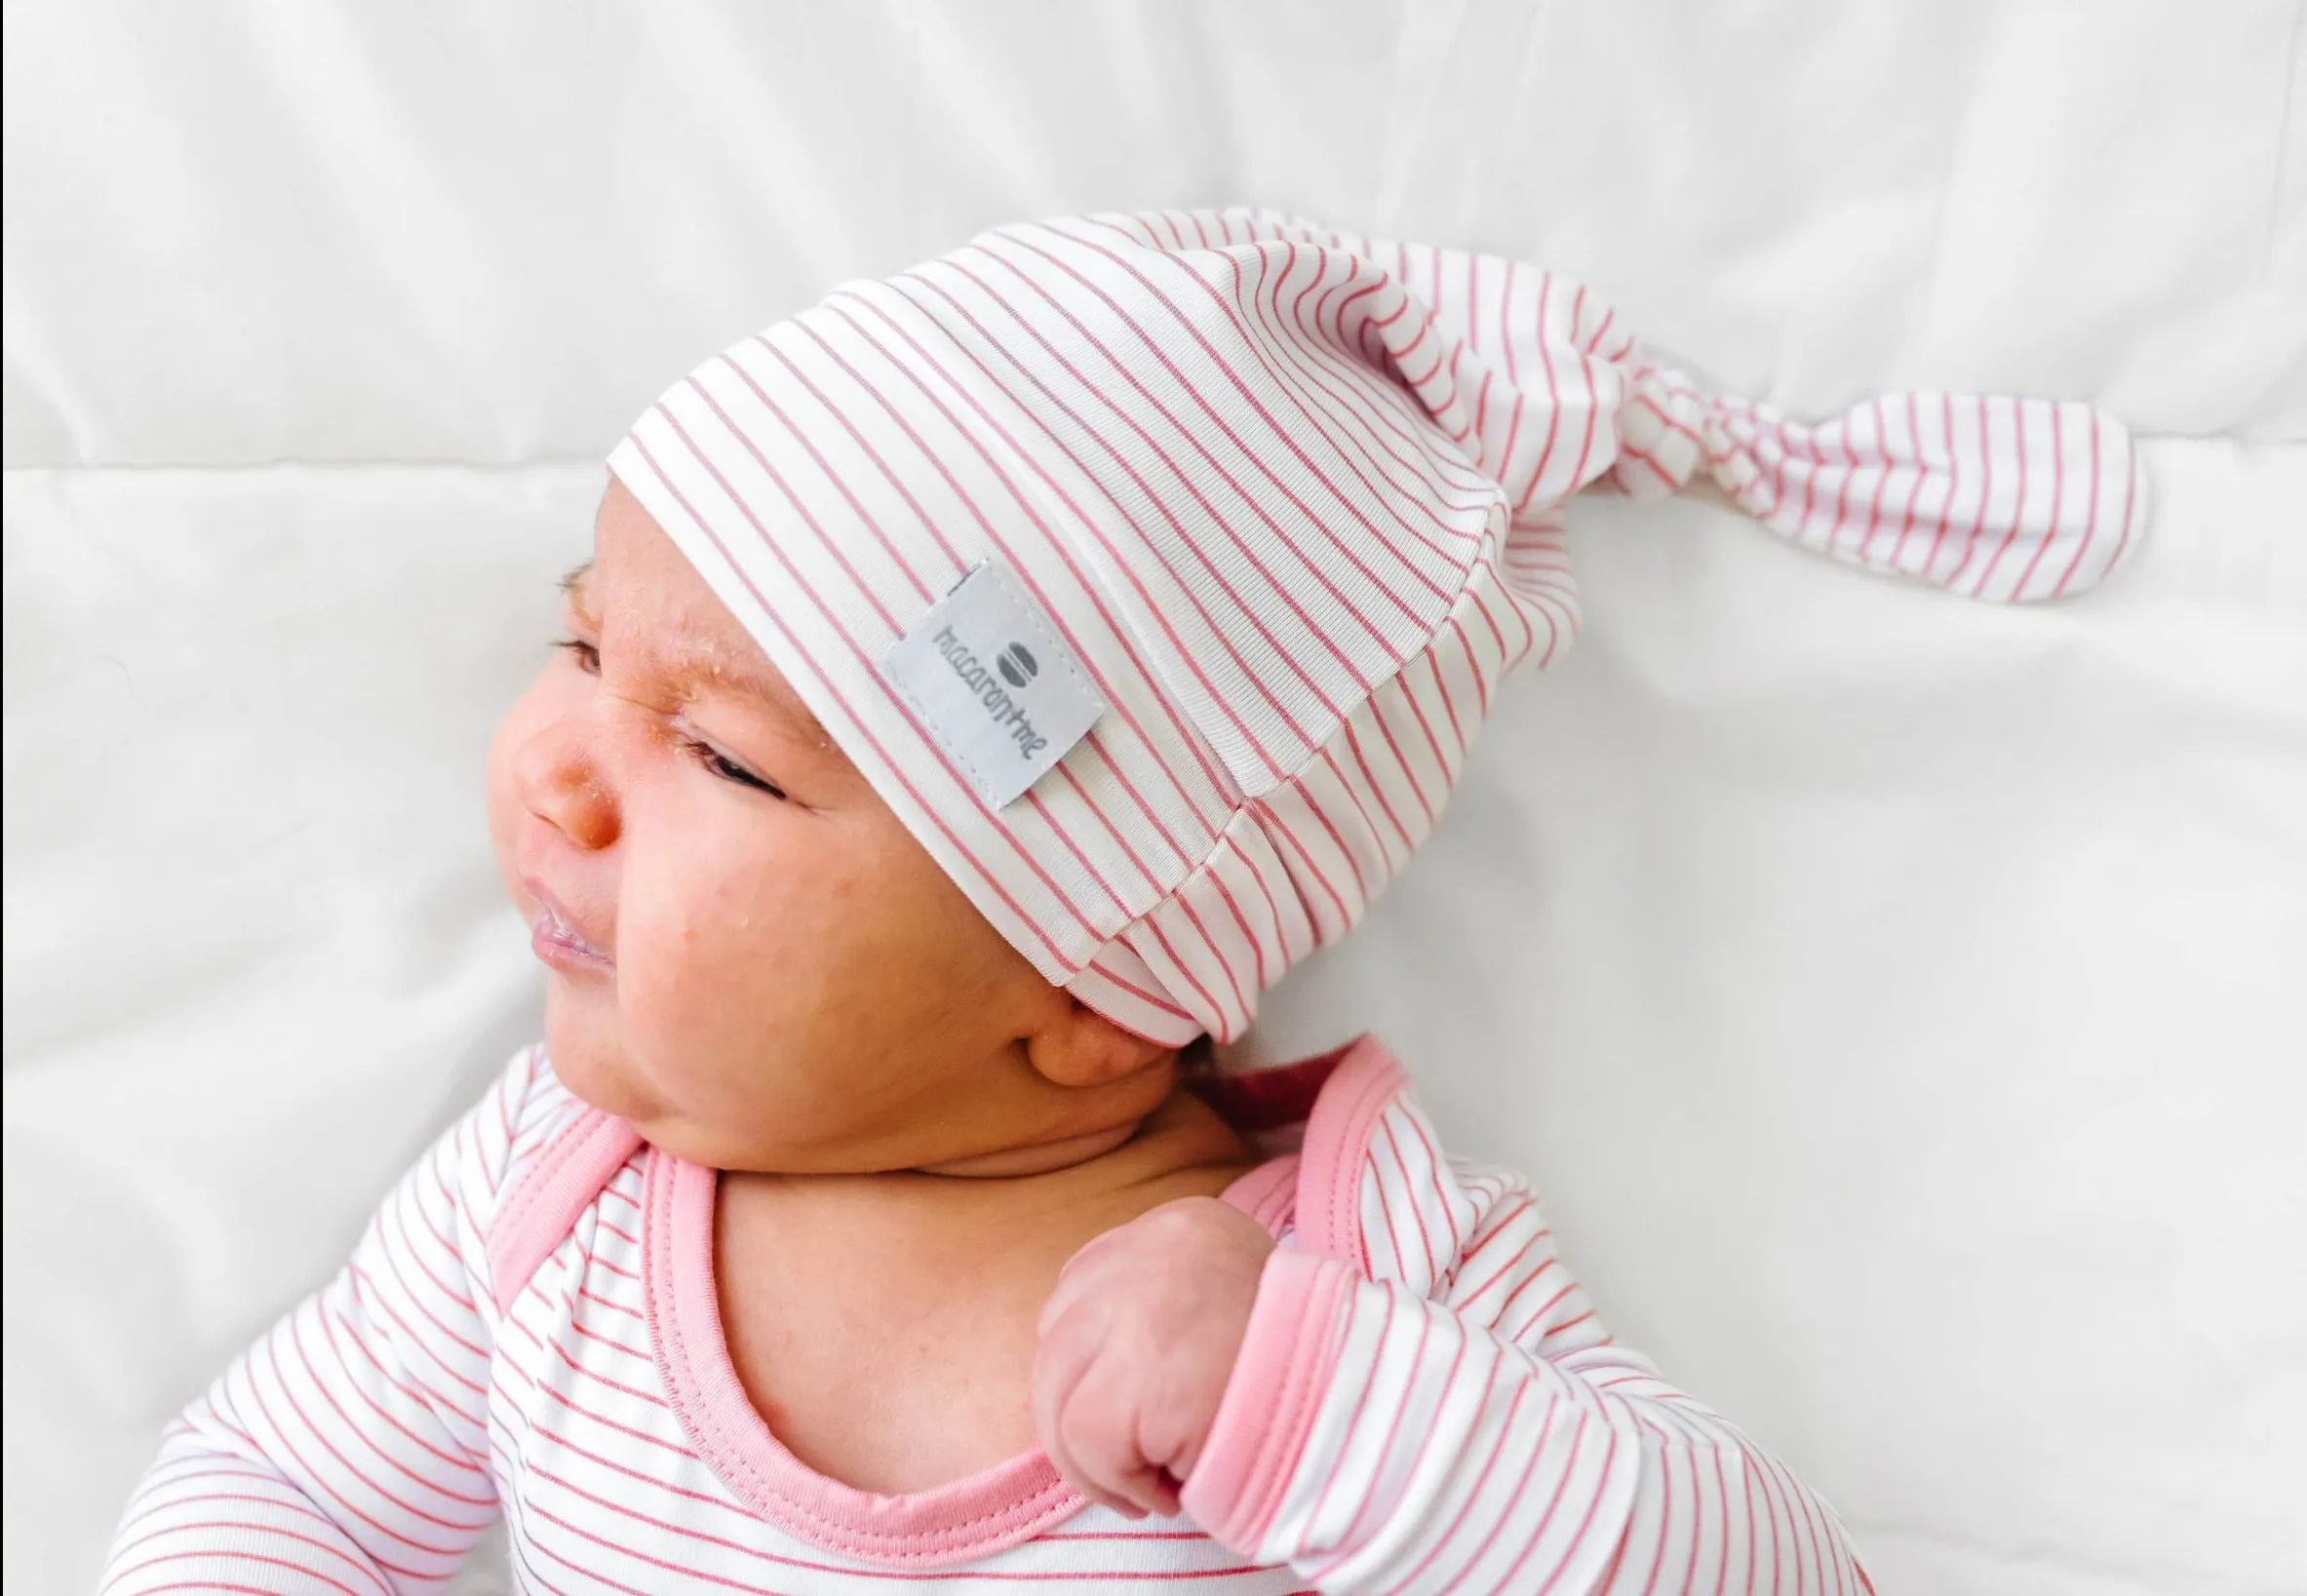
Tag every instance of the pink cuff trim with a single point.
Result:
(1289, 1356)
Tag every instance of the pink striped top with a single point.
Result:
(1425, 1402)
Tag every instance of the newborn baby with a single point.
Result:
(985, 684)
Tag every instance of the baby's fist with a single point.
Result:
(1137, 1342)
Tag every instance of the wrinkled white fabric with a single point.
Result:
(1900, 984)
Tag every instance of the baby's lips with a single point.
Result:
(553, 931)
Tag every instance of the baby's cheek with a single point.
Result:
(504, 807)
(695, 995)
(501, 789)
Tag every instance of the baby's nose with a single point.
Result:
(563, 785)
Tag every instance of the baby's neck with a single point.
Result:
(885, 1325)
(1019, 1205)
(1182, 1140)
(1044, 1158)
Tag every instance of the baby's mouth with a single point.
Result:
(558, 941)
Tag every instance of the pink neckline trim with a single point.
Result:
(1365, 1082)
(969, 1518)
(567, 1174)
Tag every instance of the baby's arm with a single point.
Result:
(1488, 1437)
(347, 1450)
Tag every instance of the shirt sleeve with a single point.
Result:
(1463, 1422)
(347, 1450)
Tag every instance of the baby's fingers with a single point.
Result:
(1068, 1348)
(1091, 1428)
(1158, 1491)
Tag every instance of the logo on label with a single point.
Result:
(1017, 666)
(994, 682)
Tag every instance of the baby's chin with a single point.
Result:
(592, 1064)
(590, 1058)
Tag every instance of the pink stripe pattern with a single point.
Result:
(1294, 498)
(1468, 1425)
(1425, 1403)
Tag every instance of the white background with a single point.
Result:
(1899, 1001)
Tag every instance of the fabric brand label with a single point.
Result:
(988, 674)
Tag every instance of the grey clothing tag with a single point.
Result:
(996, 687)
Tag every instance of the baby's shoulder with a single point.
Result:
(524, 1110)
(1374, 1184)
(559, 1155)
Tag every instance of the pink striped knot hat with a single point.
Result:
(1157, 569)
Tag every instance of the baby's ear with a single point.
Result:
(1077, 1046)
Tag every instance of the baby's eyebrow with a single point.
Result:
(706, 663)
(769, 689)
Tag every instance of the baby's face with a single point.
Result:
(752, 959)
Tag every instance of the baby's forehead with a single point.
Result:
(679, 630)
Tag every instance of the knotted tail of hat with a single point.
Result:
(1232, 524)
(2006, 499)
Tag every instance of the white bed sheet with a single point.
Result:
(1896, 1000)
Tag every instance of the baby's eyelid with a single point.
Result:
(706, 750)
(733, 769)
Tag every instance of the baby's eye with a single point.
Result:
(586, 655)
(728, 770)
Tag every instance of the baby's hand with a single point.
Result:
(1137, 1342)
